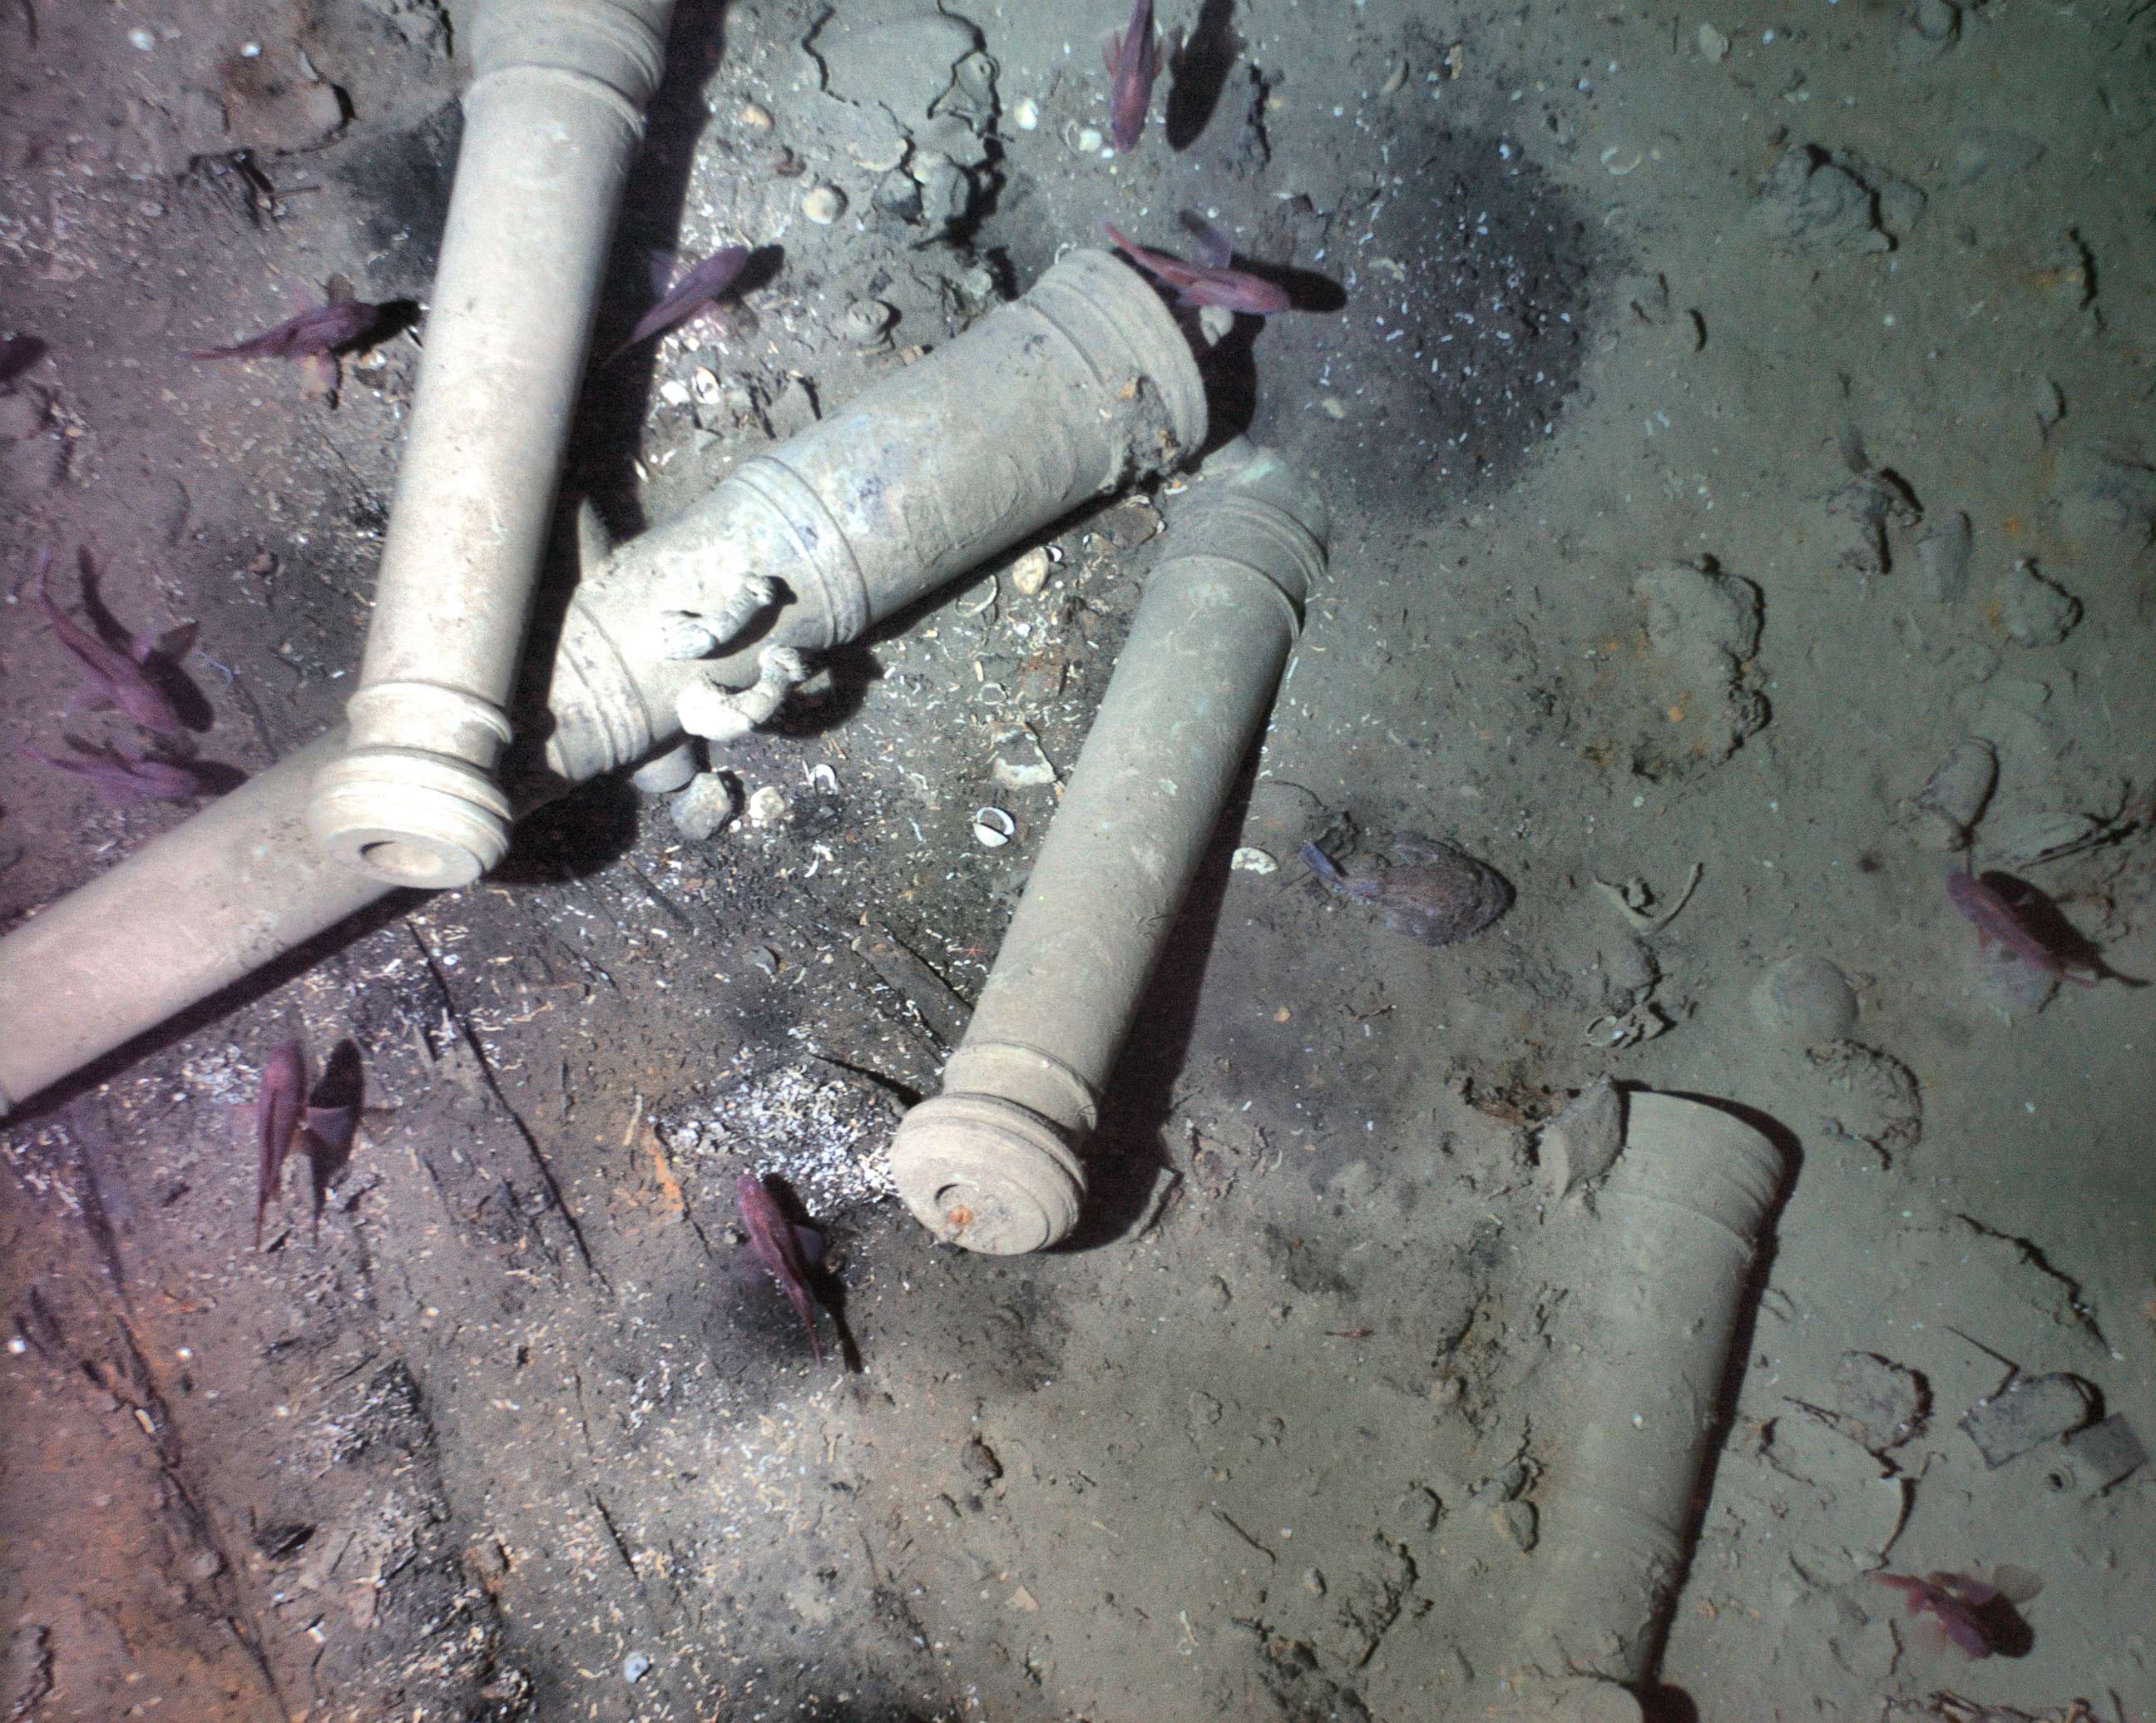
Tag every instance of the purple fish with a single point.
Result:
(771, 1241)
(1133, 58)
(276, 1121)
(1232, 289)
(690, 295)
(1994, 918)
(1441, 896)
(1957, 1599)
(119, 677)
(127, 777)
(324, 329)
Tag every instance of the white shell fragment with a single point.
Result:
(1025, 113)
(1030, 573)
(881, 155)
(768, 804)
(1248, 859)
(992, 828)
(823, 204)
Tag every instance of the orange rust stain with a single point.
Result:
(670, 1187)
(2011, 525)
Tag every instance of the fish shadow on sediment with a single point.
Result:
(340, 1094)
(1660, 1704)
(2035, 909)
(1308, 291)
(1197, 73)
(611, 414)
(1229, 367)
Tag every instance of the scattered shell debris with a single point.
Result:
(829, 1138)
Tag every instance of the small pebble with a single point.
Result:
(634, 1667)
(1881, 1403)
(823, 204)
(1928, 29)
(754, 116)
(1941, 815)
(1025, 113)
(980, 1461)
(705, 807)
(142, 39)
(1712, 43)
(1517, 1521)
(768, 806)
(1088, 140)
(1942, 557)
(2037, 612)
